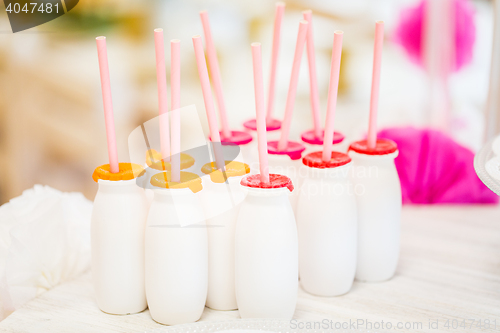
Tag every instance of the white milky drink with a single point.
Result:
(117, 232)
(221, 202)
(378, 196)
(221, 238)
(176, 254)
(288, 163)
(327, 226)
(266, 257)
(176, 257)
(284, 165)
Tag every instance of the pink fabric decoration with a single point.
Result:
(409, 32)
(434, 169)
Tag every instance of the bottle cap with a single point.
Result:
(127, 171)
(188, 180)
(233, 169)
(383, 147)
(310, 138)
(154, 161)
(315, 160)
(237, 138)
(275, 181)
(293, 149)
(271, 125)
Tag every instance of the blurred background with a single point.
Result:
(51, 115)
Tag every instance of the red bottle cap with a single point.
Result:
(314, 160)
(275, 181)
(271, 125)
(293, 149)
(236, 138)
(383, 147)
(310, 138)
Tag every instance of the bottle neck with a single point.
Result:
(267, 193)
(283, 160)
(117, 186)
(166, 194)
(378, 160)
(337, 173)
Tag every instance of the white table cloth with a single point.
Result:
(449, 270)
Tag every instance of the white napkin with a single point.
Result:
(44, 240)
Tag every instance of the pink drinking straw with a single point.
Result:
(332, 95)
(377, 64)
(313, 81)
(439, 58)
(448, 58)
(258, 83)
(213, 63)
(278, 17)
(102, 54)
(175, 91)
(209, 103)
(161, 80)
(290, 100)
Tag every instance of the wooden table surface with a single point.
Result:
(449, 271)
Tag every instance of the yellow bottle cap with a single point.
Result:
(154, 161)
(233, 169)
(188, 180)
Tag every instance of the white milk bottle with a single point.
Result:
(288, 163)
(176, 251)
(378, 195)
(313, 143)
(327, 226)
(239, 147)
(273, 127)
(272, 133)
(266, 257)
(221, 202)
(117, 232)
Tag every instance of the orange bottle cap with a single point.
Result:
(127, 171)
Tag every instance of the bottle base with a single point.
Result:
(266, 316)
(327, 293)
(122, 313)
(373, 279)
(222, 308)
(177, 321)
